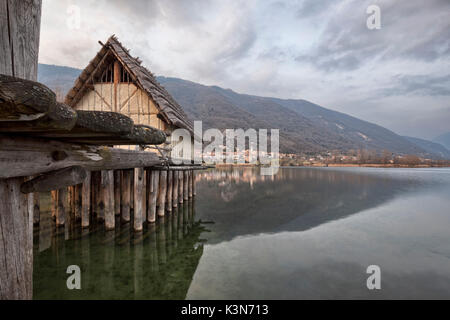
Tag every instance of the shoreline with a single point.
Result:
(337, 165)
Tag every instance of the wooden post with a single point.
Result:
(194, 192)
(54, 194)
(16, 249)
(108, 198)
(36, 209)
(138, 205)
(100, 204)
(162, 192)
(125, 195)
(78, 201)
(180, 186)
(190, 184)
(61, 209)
(185, 185)
(70, 201)
(169, 190)
(154, 188)
(175, 189)
(86, 200)
(117, 196)
(19, 47)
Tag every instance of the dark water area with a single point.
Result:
(303, 233)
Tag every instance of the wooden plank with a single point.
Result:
(185, 185)
(5, 47)
(175, 189)
(55, 180)
(108, 198)
(162, 193)
(16, 243)
(117, 196)
(61, 209)
(125, 195)
(138, 198)
(86, 200)
(22, 156)
(151, 216)
(169, 190)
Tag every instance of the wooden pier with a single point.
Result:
(47, 146)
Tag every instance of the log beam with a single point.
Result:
(55, 180)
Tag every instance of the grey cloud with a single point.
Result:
(410, 29)
(419, 85)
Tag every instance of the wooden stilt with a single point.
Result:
(16, 242)
(78, 201)
(86, 200)
(132, 191)
(101, 196)
(185, 185)
(162, 192)
(175, 189)
(169, 190)
(190, 183)
(108, 198)
(70, 201)
(54, 195)
(36, 209)
(125, 195)
(180, 186)
(154, 188)
(62, 207)
(117, 196)
(194, 192)
(138, 205)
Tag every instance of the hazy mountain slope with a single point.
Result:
(58, 78)
(443, 139)
(433, 149)
(304, 126)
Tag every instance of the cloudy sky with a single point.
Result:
(319, 50)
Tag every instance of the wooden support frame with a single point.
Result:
(162, 193)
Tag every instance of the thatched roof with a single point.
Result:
(170, 110)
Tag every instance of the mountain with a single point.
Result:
(433, 149)
(443, 139)
(304, 126)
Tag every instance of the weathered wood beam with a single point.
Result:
(61, 208)
(190, 183)
(16, 251)
(138, 198)
(22, 156)
(162, 193)
(108, 198)
(169, 191)
(125, 195)
(175, 189)
(86, 200)
(180, 186)
(55, 180)
(154, 188)
(117, 196)
(185, 185)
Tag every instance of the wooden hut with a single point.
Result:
(116, 81)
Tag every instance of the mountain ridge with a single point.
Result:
(305, 127)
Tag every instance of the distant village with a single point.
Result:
(359, 157)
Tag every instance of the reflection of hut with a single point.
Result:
(116, 81)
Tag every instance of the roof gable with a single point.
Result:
(113, 49)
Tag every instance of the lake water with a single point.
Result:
(303, 233)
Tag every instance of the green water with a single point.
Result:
(303, 233)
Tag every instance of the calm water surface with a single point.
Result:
(304, 233)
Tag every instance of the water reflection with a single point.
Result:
(157, 263)
(303, 233)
